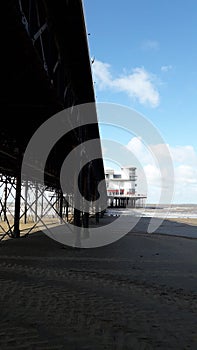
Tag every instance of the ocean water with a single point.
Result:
(161, 211)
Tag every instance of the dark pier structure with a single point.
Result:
(45, 68)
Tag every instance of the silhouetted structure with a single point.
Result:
(45, 68)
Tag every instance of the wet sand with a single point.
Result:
(188, 221)
(137, 293)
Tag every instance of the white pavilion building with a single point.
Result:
(121, 188)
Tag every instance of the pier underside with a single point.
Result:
(45, 69)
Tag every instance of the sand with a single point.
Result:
(137, 293)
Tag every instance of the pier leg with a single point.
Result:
(42, 205)
(61, 206)
(86, 220)
(17, 206)
(66, 211)
(5, 199)
(77, 217)
(26, 194)
(36, 202)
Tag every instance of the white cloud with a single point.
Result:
(186, 175)
(166, 68)
(139, 85)
(184, 160)
(137, 147)
(102, 74)
(153, 174)
(184, 155)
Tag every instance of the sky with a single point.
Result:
(144, 57)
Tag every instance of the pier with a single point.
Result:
(46, 68)
(121, 189)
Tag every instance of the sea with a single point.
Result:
(185, 211)
(162, 215)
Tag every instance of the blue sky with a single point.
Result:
(145, 57)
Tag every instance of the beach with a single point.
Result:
(137, 293)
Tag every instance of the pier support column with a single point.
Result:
(42, 204)
(61, 198)
(67, 211)
(17, 206)
(86, 220)
(5, 199)
(36, 202)
(26, 194)
(77, 217)
(97, 217)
